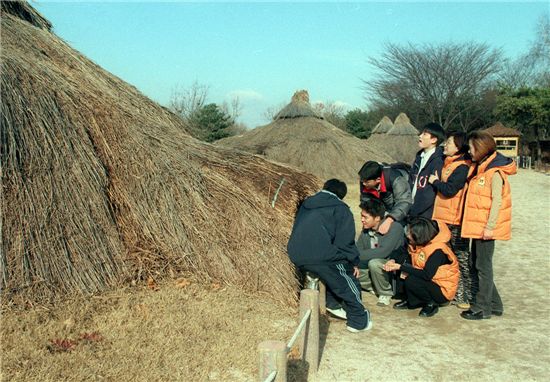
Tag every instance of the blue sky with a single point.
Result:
(262, 52)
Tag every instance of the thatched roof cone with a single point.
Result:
(403, 126)
(311, 144)
(102, 185)
(298, 107)
(383, 126)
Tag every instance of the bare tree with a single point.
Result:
(333, 112)
(234, 108)
(434, 82)
(270, 113)
(187, 101)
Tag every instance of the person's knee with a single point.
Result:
(375, 266)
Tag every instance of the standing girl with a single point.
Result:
(487, 217)
(449, 204)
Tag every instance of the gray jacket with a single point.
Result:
(373, 245)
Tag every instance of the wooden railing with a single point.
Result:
(274, 354)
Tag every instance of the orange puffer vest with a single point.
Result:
(479, 199)
(449, 209)
(447, 275)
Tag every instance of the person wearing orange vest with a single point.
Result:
(487, 217)
(448, 208)
(431, 277)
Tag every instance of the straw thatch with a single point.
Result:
(499, 130)
(400, 141)
(101, 185)
(298, 107)
(383, 126)
(403, 126)
(308, 143)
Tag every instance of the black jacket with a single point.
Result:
(423, 201)
(323, 232)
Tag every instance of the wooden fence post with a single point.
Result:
(322, 297)
(309, 339)
(273, 356)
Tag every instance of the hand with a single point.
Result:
(487, 234)
(356, 272)
(433, 178)
(385, 226)
(391, 266)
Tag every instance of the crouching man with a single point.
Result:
(376, 249)
(323, 242)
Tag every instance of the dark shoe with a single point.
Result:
(469, 315)
(497, 313)
(429, 310)
(401, 305)
(446, 303)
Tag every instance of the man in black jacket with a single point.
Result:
(323, 242)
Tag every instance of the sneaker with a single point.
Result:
(353, 330)
(463, 305)
(383, 300)
(340, 313)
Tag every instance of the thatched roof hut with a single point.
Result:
(400, 141)
(101, 185)
(309, 143)
(499, 130)
(383, 126)
(403, 126)
(298, 107)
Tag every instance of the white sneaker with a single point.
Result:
(353, 330)
(340, 313)
(383, 300)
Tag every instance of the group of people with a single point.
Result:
(428, 234)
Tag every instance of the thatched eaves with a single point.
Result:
(24, 11)
(298, 107)
(403, 126)
(499, 130)
(383, 126)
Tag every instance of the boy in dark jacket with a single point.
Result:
(323, 242)
(428, 161)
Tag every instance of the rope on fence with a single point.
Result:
(298, 330)
(277, 193)
(271, 376)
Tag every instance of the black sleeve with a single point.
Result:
(437, 259)
(455, 183)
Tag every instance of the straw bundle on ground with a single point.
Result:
(383, 126)
(400, 141)
(102, 185)
(309, 143)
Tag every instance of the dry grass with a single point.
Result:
(178, 332)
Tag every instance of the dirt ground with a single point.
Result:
(515, 347)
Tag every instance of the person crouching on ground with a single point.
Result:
(375, 249)
(431, 278)
(323, 242)
(487, 217)
(449, 206)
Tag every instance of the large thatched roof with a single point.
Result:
(298, 107)
(383, 126)
(309, 143)
(403, 126)
(101, 185)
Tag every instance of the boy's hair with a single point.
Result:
(461, 141)
(422, 230)
(484, 144)
(373, 207)
(370, 170)
(337, 187)
(436, 131)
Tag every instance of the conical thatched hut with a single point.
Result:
(383, 126)
(101, 185)
(400, 141)
(302, 139)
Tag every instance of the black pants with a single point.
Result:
(487, 298)
(421, 292)
(341, 286)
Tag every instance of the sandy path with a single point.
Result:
(515, 347)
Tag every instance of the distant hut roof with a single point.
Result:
(403, 126)
(499, 130)
(383, 126)
(299, 106)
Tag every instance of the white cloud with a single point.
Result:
(245, 95)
